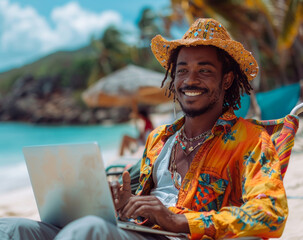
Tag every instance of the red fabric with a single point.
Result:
(148, 125)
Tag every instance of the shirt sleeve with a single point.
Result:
(264, 210)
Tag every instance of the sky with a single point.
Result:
(31, 29)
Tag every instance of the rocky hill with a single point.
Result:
(44, 102)
(48, 91)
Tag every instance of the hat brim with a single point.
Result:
(162, 48)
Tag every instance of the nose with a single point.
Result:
(191, 79)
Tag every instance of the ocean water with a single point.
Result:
(14, 136)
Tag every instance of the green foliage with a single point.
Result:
(94, 74)
(7, 83)
(76, 75)
(148, 26)
(77, 95)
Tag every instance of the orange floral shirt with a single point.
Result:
(233, 187)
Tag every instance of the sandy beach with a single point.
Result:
(21, 203)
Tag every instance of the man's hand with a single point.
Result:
(121, 194)
(151, 207)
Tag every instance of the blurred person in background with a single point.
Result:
(132, 144)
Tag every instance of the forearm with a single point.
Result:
(258, 217)
(173, 223)
(179, 223)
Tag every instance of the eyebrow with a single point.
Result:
(199, 63)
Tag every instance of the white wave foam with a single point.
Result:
(13, 177)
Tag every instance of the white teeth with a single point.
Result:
(191, 94)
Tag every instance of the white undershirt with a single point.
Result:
(164, 188)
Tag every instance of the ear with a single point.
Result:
(228, 80)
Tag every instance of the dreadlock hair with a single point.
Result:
(232, 95)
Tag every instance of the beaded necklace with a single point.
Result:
(194, 138)
(184, 141)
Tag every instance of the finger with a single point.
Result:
(136, 203)
(126, 181)
(147, 212)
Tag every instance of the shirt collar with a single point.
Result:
(223, 124)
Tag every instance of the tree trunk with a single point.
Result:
(254, 109)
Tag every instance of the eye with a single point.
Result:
(181, 70)
(204, 70)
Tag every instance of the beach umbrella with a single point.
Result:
(127, 87)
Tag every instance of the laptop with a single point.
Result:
(69, 182)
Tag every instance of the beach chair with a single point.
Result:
(114, 172)
(282, 132)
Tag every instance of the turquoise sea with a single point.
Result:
(14, 136)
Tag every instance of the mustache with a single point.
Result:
(188, 88)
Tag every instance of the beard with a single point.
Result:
(213, 101)
(192, 113)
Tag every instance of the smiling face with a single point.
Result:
(199, 84)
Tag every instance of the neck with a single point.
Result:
(197, 125)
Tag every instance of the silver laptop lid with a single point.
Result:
(69, 182)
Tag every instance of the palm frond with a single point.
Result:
(291, 24)
(264, 6)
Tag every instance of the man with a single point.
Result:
(209, 174)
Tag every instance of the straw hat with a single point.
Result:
(207, 31)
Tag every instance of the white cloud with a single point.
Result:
(23, 30)
(75, 25)
(21, 27)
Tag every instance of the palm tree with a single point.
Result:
(112, 53)
(148, 26)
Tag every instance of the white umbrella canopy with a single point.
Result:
(128, 86)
